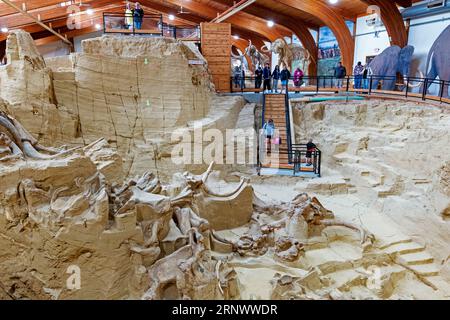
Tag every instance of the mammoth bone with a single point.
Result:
(287, 53)
(301, 208)
(21, 143)
(197, 183)
(256, 56)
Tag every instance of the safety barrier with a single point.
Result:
(149, 24)
(407, 87)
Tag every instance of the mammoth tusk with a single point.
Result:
(208, 172)
(226, 195)
(416, 85)
(364, 234)
(265, 49)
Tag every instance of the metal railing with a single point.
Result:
(185, 33)
(408, 87)
(300, 156)
(121, 23)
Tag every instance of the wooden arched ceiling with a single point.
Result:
(295, 26)
(393, 21)
(291, 16)
(241, 19)
(334, 21)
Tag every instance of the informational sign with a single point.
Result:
(196, 62)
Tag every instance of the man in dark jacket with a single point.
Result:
(339, 73)
(267, 75)
(258, 77)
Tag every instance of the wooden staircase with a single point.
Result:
(275, 109)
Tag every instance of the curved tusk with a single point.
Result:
(419, 84)
(365, 235)
(226, 195)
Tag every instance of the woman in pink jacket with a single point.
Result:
(298, 78)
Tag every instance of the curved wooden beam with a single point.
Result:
(297, 27)
(240, 19)
(241, 44)
(334, 21)
(393, 21)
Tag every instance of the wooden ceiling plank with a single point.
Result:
(37, 21)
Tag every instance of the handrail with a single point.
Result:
(288, 123)
(183, 32)
(300, 151)
(320, 84)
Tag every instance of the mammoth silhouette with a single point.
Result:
(438, 62)
(387, 64)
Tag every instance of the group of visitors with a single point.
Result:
(360, 74)
(239, 77)
(270, 79)
(134, 17)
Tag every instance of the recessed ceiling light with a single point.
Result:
(236, 37)
(4, 30)
(270, 23)
(98, 26)
(333, 1)
(90, 11)
(171, 17)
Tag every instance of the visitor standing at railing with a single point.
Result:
(310, 148)
(236, 76)
(276, 77)
(242, 77)
(339, 73)
(366, 77)
(269, 131)
(258, 77)
(358, 73)
(128, 17)
(138, 15)
(298, 78)
(267, 75)
(284, 76)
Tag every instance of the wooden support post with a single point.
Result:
(216, 48)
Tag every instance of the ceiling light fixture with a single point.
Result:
(270, 23)
(4, 30)
(333, 1)
(98, 26)
(90, 12)
(236, 37)
(171, 17)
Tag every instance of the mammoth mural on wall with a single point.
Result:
(392, 61)
(438, 62)
(287, 53)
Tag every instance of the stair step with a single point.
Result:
(405, 248)
(416, 258)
